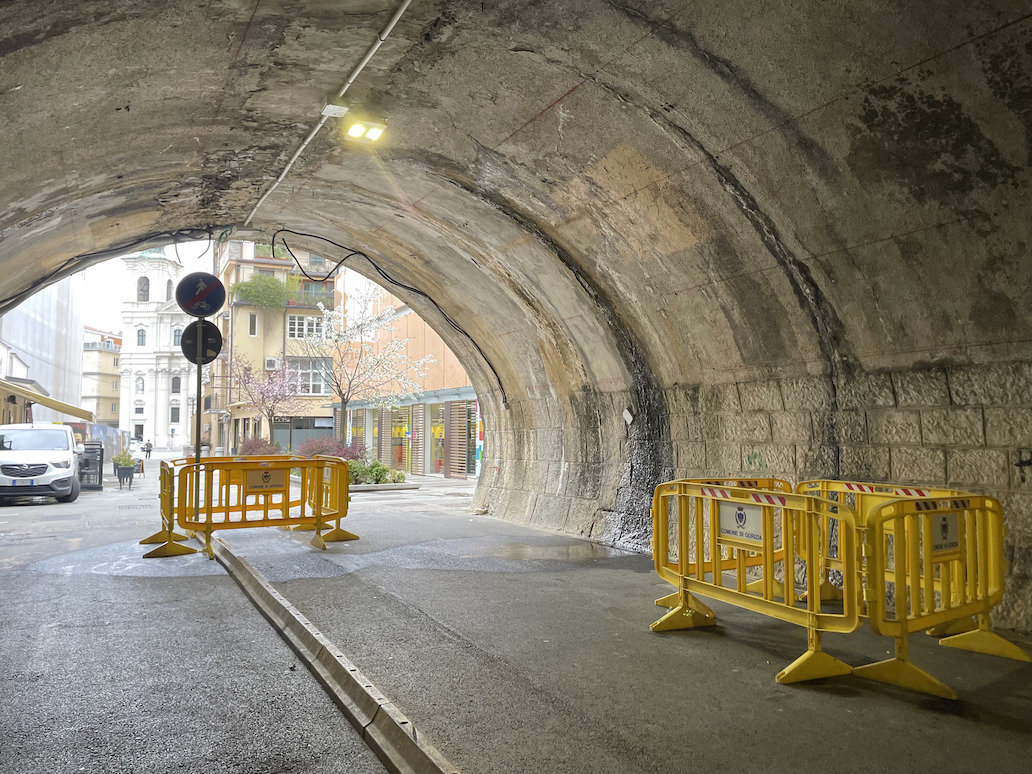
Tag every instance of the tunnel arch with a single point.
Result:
(794, 242)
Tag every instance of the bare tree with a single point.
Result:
(357, 358)
(270, 393)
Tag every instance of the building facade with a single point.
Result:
(44, 333)
(438, 430)
(157, 381)
(101, 375)
(256, 336)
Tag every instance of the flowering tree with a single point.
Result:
(356, 357)
(270, 393)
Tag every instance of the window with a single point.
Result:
(138, 410)
(139, 384)
(143, 289)
(175, 385)
(252, 324)
(114, 384)
(141, 338)
(168, 290)
(138, 432)
(177, 337)
(299, 326)
(307, 374)
(266, 272)
(114, 408)
(116, 361)
(173, 415)
(316, 261)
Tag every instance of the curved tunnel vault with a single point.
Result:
(794, 242)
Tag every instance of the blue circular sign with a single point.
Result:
(200, 294)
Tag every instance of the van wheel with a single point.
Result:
(70, 497)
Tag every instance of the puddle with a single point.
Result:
(574, 552)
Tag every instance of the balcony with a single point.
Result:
(311, 300)
(107, 346)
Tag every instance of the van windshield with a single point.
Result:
(35, 438)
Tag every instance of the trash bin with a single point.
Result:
(91, 466)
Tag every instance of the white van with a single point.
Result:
(39, 460)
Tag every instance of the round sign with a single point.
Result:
(211, 342)
(200, 294)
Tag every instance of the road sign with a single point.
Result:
(200, 294)
(211, 341)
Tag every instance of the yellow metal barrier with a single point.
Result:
(237, 492)
(720, 531)
(931, 561)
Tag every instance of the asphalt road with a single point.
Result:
(112, 663)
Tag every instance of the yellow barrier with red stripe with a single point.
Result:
(238, 492)
(933, 561)
(726, 531)
(924, 557)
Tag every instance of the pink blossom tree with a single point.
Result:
(270, 393)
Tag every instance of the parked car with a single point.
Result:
(39, 460)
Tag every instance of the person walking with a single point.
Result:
(147, 448)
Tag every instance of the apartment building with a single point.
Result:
(256, 332)
(101, 375)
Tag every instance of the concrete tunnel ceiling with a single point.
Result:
(788, 238)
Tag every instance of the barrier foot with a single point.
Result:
(829, 593)
(170, 548)
(983, 641)
(163, 536)
(756, 587)
(813, 665)
(337, 534)
(670, 600)
(687, 615)
(318, 541)
(953, 627)
(905, 675)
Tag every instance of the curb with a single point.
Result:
(381, 487)
(384, 728)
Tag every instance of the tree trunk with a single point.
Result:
(342, 429)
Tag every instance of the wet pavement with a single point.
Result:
(511, 649)
(111, 663)
(517, 650)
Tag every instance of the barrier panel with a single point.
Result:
(906, 558)
(719, 531)
(931, 561)
(239, 492)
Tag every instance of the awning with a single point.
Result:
(44, 400)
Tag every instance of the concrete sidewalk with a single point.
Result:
(517, 650)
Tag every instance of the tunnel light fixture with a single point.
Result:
(359, 129)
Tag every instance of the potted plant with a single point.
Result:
(125, 466)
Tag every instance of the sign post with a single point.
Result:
(200, 294)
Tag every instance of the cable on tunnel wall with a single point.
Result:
(74, 264)
(351, 252)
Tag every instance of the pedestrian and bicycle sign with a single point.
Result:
(200, 294)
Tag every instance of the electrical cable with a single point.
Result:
(73, 265)
(351, 252)
(380, 38)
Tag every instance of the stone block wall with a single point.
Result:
(968, 427)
